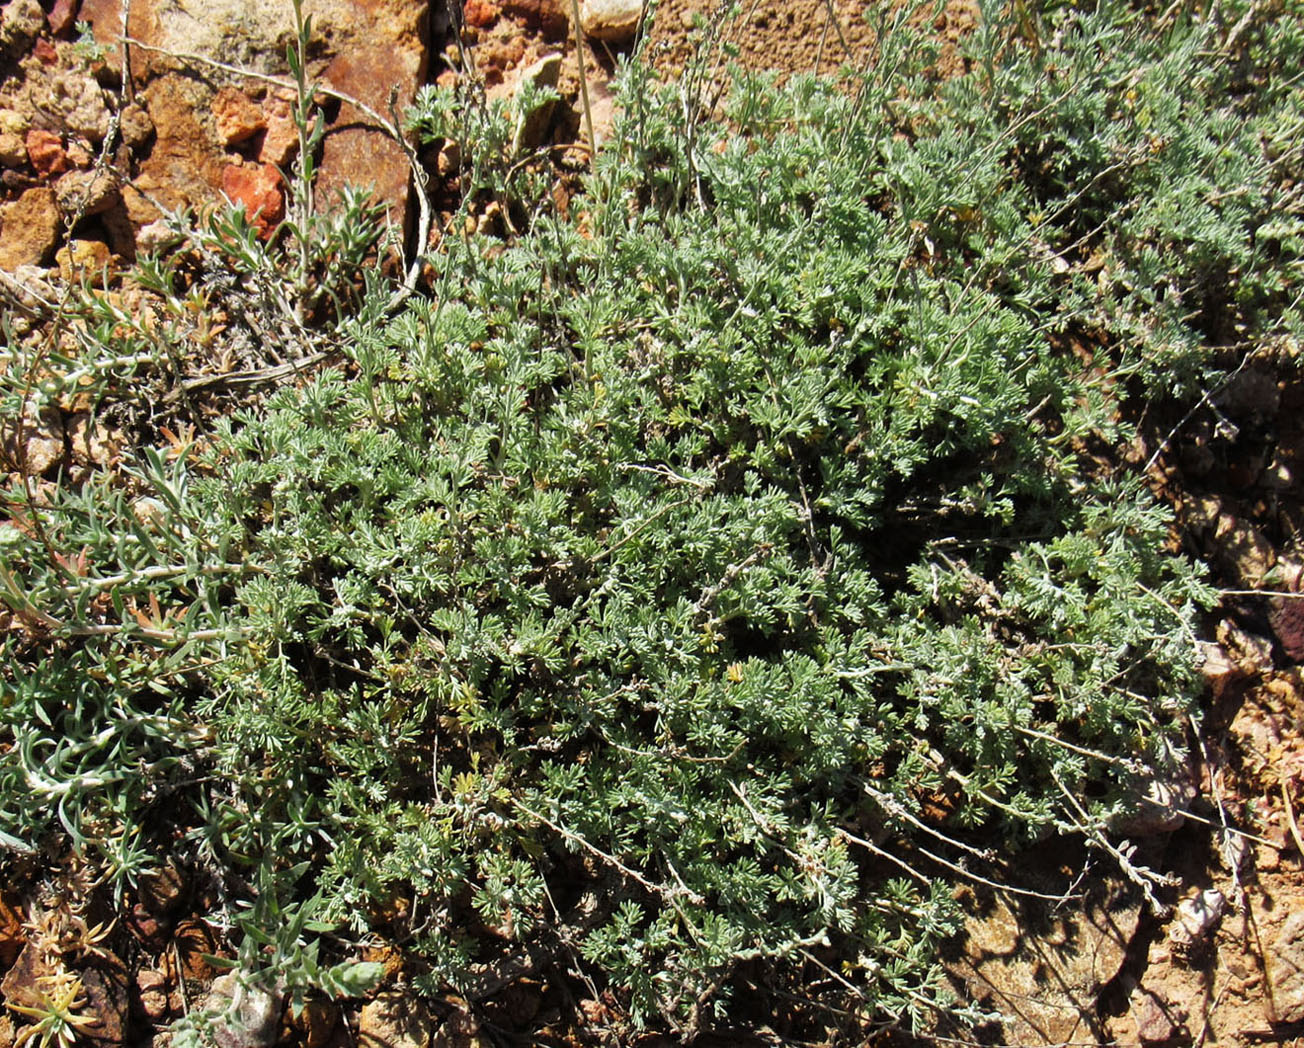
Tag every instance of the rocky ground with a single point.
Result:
(92, 152)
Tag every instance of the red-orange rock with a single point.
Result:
(194, 940)
(46, 153)
(281, 140)
(183, 169)
(258, 189)
(366, 49)
(45, 52)
(238, 117)
(29, 229)
(61, 16)
(480, 13)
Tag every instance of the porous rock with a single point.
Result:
(156, 236)
(45, 152)
(193, 939)
(135, 125)
(547, 17)
(78, 100)
(88, 260)
(163, 890)
(316, 1022)
(1196, 916)
(183, 169)
(84, 193)
(281, 139)
(20, 23)
(91, 444)
(62, 16)
(153, 989)
(11, 929)
(22, 982)
(237, 116)
(13, 150)
(364, 49)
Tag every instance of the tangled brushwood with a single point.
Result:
(687, 591)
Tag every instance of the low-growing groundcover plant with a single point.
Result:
(690, 589)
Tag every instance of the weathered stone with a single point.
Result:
(156, 236)
(193, 939)
(249, 1017)
(1219, 669)
(22, 983)
(1250, 651)
(20, 23)
(13, 150)
(105, 987)
(153, 989)
(91, 445)
(11, 929)
(1249, 554)
(84, 193)
(1196, 916)
(163, 890)
(1157, 1021)
(363, 48)
(281, 139)
(316, 1022)
(79, 101)
(33, 290)
(237, 116)
(1286, 613)
(612, 20)
(45, 152)
(1252, 395)
(184, 167)
(1043, 966)
(42, 442)
(395, 1020)
(135, 125)
(149, 930)
(460, 1030)
(1160, 808)
(532, 122)
(1286, 998)
(495, 57)
(79, 155)
(480, 14)
(258, 191)
(61, 16)
(547, 17)
(86, 260)
(449, 161)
